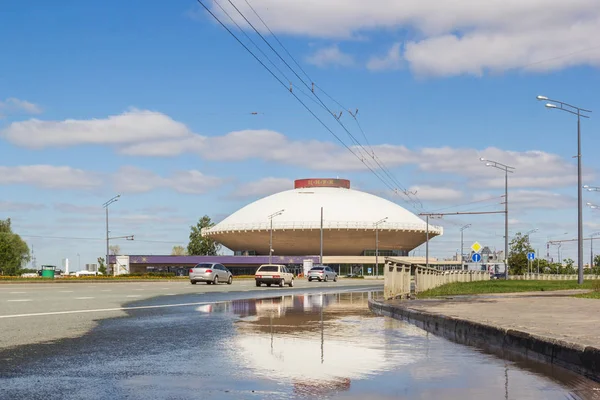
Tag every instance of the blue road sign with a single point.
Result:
(476, 257)
(531, 256)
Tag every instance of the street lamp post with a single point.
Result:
(592, 236)
(507, 169)
(529, 244)
(462, 251)
(271, 233)
(381, 221)
(579, 112)
(105, 205)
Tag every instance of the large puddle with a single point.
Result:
(290, 346)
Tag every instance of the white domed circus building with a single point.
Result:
(290, 224)
(293, 217)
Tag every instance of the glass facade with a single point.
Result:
(386, 253)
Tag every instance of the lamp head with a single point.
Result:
(550, 105)
(482, 159)
(541, 98)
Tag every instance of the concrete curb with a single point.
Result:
(584, 360)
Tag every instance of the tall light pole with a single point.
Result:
(592, 236)
(529, 244)
(507, 169)
(105, 205)
(462, 251)
(580, 113)
(271, 232)
(381, 221)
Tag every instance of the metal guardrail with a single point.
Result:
(399, 274)
(311, 225)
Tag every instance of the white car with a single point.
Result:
(29, 275)
(274, 274)
(86, 273)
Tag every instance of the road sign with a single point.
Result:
(476, 247)
(476, 257)
(369, 270)
(531, 256)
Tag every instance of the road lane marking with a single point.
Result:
(18, 292)
(134, 295)
(106, 290)
(83, 298)
(139, 289)
(199, 303)
(65, 291)
(20, 300)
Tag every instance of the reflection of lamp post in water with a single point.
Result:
(322, 335)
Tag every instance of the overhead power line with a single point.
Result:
(360, 157)
(360, 152)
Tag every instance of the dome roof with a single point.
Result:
(342, 208)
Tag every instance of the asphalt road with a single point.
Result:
(319, 341)
(40, 312)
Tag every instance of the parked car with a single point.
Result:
(86, 273)
(322, 273)
(210, 273)
(274, 274)
(29, 275)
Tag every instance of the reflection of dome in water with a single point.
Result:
(304, 358)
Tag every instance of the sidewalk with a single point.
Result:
(549, 326)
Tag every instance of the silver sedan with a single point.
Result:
(322, 273)
(210, 273)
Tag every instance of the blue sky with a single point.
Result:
(154, 100)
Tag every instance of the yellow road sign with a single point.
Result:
(476, 247)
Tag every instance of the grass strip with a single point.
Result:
(502, 286)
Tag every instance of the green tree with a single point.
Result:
(14, 252)
(179, 251)
(101, 266)
(517, 254)
(201, 245)
(114, 249)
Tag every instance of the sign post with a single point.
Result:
(530, 258)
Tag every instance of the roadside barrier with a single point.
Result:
(403, 278)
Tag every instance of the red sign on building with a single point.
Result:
(319, 182)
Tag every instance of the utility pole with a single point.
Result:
(321, 252)
(440, 215)
(507, 169)
(105, 205)
(381, 221)
(580, 113)
(271, 233)
(462, 251)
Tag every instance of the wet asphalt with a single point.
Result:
(313, 343)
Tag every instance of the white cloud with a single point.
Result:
(131, 179)
(9, 206)
(391, 61)
(14, 106)
(49, 177)
(330, 56)
(133, 126)
(263, 187)
(77, 209)
(450, 37)
(436, 193)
